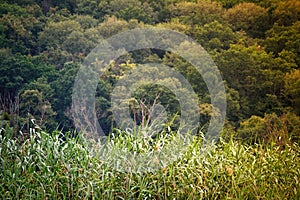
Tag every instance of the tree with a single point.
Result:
(95, 8)
(199, 13)
(77, 43)
(33, 105)
(284, 38)
(291, 123)
(11, 8)
(287, 12)
(252, 130)
(233, 113)
(160, 10)
(55, 33)
(46, 5)
(175, 25)
(248, 17)
(18, 70)
(113, 25)
(190, 73)
(133, 9)
(292, 89)
(42, 85)
(257, 77)
(16, 73)
(86, 21)
(214, 35)
(19, 28)
(272, 128)
(103, 111)
(62, 95)
(52, 38)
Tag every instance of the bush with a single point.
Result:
(270, 129)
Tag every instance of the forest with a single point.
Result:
(255, 45)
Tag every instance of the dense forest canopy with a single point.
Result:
(255, 44)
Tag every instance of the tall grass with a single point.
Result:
(49, 166)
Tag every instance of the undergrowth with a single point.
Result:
(56, 166)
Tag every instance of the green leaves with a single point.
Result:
(292, 89)
(287, 12)
(284, 38)
(56, 33)
(214, 35)
(248, 17)
(198, 13)
(56, 165)
(34, 106)
(17, 70)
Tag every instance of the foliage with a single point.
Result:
(248, 17)
(292, 89)
(58, 166)
(19, 29)
(287, 12)
(255, 45)
(257, 77)
(196, 13)
(284, 38)
(18, 70)
(270, 129)
(214, 35)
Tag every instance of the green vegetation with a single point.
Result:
(256, 46)
(50, 167)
